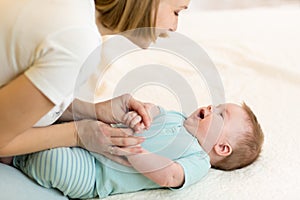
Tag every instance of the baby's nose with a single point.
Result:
(210, 108)
(206, 111)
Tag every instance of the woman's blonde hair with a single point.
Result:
(123, 15)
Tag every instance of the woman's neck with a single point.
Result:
(142, 43)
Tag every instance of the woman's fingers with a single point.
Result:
(119, 132)
(122, 137)
(126, 141)
(118, 159)
(114, 143)
(124, 151)
(119, 154)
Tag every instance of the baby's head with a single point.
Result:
(229, 133)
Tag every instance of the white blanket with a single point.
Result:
(257, 53)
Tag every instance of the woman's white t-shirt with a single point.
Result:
(48, 40)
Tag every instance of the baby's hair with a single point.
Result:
(124, 15)
(248, 146)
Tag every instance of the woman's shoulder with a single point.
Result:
(36, 18)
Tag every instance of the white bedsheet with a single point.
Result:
(257, 53)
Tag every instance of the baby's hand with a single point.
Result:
(134, 121)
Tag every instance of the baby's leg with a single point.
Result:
(70, 170)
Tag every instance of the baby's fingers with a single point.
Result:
(135, 121)
(139, 127)
(129, 117)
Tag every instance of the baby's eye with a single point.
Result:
(176, 13)
(221, 114)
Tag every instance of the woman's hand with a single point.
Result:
(94, 133)
(133, 120)
(110, 111)
(113, 143)
(113, 111)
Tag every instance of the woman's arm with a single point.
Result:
(160, 170)
(22, 108)
(21, 105)
(99, 136)
(37, 139)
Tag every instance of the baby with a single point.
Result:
(177, 152)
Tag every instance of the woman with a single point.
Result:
(46, 43)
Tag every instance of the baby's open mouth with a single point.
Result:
(201, 114)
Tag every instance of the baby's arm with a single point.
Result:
(160, 170)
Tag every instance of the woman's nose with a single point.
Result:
(174, 26)
(173, 29)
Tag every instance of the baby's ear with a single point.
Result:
(223, 149)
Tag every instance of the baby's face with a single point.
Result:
(210, 123)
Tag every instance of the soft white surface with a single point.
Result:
(15, 185)
(257, 54)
